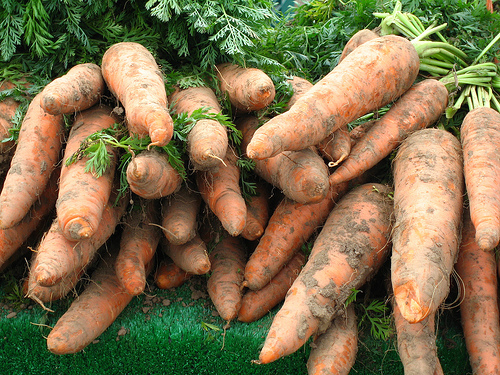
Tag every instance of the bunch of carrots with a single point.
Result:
(97, 157)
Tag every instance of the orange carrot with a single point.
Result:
(420, 107)
(359, 131)
(248, 89)
(224, 284)
(151, 176)
(8, 109)
(221, 191)
(299, 87)
(45, 294)
(428, 200)
(257, 303)
(480, 137)
(336, 147)
(169, 275)
(302, 175)
(207, 141)
(352, 245)
(133, 76)
(373, 75)
(191, 256)
(82, 195)
(179, 213)
(334, 351)
(479, 311)
(257, 212)
(35, 157)
(79, 89)
(139, 239)
(360, 37)
(289, 227)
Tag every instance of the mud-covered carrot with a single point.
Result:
(191, 256)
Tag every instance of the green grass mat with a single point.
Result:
(178, 332)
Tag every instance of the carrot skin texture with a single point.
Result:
(299, 87)
(428, 201)
(133, 76)
(257, 213)
(257, 303)
(336, 147)
(479, 310)
(334, 351)
(36, 155)
(82, 195)
(44, 294)
(418, 108)
(169, 275)
(224, 284)
(480, 138)
(79, 89)
(191, 256)
(351, 247)
(342, 96)
(360, 37)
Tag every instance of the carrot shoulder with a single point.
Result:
(428, 200)
(373, 75)
(133, 76)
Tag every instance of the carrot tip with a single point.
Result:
(486, 241)
(78, 229)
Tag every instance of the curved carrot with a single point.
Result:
(257, 213)
(351, 247)
(360, 37)
(36, 155)
(207, 141)
(191, 256)
(480, 137)
(428, 201)
(373, 75)
(82, 195)
(79, 89)
(133, 76)
(418, 108)
(169, 275)
(248, 89)
(336, 147)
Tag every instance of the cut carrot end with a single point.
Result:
(78, 229)
(410, 305)
(46, 278)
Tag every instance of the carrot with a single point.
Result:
(191, 256)
(221, 191)
(299, 87)
(83, 195)
(480, 137)
(91, 313)
(373, 75)
(79, 89)
(133, 76)
(418, 108)
(301, 175)
(169, 275)
(45, 294)
(35, 157)
(428, 199)
(8, 108)
(179, 213)
(224, 284)
(257, 212)
(477, 268)
(151, 176)
(334, 351)
(248, 89)
(353, 243)
(257, 303)
(489, 5)
(139, 239)
(289, 227)
(360, 37)
(207, 141)
(336, 147)
(359, 131)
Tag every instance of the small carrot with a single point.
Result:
(169, 275)
(79, 89)
(428, 201)
(248, 89)
(336, 147)
(82, 195)
(257, 212)
(36, 155)
(373, 75)
(191, 256)
(133, 76)
(299, 87)
(151, 176)
(45, 294)
(360, 37)
(257, 303)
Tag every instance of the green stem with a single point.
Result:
(483, 52)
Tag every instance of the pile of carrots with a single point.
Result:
(313, 185)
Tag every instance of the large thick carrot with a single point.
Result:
(418, 108)
(480, 137)
(207, 141)
(373, 75)
(191, 256)
(79, 89)
(353, 244)
(82, 195)
(428, 199)
(169, 275)
(302, 175)
(479, 311)
(248, 89)
(133, 76)
(36, 155)
(257, 212)
(257, 303)
(334, 351)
